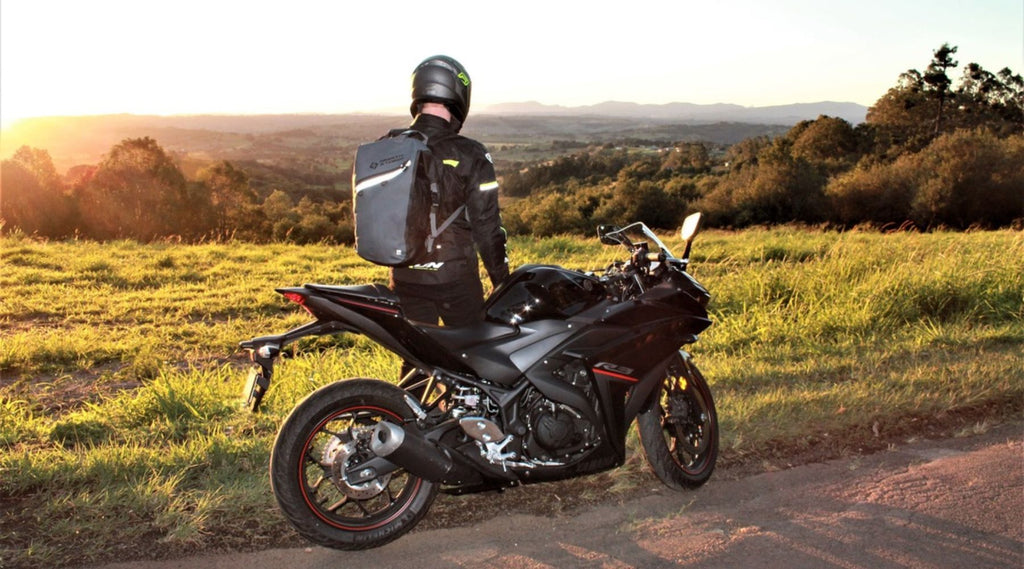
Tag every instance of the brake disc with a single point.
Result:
(337, 454)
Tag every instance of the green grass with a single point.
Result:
(121, 433)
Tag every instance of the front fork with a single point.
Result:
(265, 349)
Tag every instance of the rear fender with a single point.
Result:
(263, 351)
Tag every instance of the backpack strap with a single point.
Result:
(435, 231)
(433, 174)
(435, 203)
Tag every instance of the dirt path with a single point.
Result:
(951, 503)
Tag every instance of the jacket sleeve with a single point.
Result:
(485, 218)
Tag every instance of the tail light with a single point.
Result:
(297, 298)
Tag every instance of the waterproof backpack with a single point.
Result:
(396, 198)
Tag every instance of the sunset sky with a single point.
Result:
(227, 57)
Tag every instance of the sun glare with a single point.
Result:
(7, 120)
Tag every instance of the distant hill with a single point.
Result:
(690, 112)
(273, 138)
(85, 139)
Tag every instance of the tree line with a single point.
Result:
(138, 192)
(932, 152)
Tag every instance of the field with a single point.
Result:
(121, 433)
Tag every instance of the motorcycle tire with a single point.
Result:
(327, 433)
(679, 431)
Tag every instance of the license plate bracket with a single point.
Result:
(255, 388)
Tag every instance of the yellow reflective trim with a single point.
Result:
(452, 163)
(489, 186)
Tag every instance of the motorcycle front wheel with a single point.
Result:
(679, 431)
(328, 434)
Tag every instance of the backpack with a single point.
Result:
(395, 199)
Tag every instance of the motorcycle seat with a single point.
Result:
(464, 337)
(378, 292)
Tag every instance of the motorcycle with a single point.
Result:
(544, 388)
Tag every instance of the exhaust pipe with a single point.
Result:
(420, 457)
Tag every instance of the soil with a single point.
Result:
(557, 502)
(948, 502)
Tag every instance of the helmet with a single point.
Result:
(441, 79)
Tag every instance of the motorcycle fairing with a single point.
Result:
(504, 359)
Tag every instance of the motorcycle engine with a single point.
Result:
(555, 434)
(556, 431)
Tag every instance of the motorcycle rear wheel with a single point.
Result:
(327, 433)
(679, 432)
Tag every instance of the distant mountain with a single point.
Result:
(690, 112)
(83, 140)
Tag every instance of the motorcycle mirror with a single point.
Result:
(690, 226)
(604, 230)
(689, 230)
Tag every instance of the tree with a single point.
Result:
(279, 211)
(32, 195)
(688, 157)
(901, 116)
(641, 200)
(830, 143)
(880, 193)
(969, 178)
(924, 105)
(936, 80)
(786, 188)
(551, 214)
(720, 196)
(589, 168)
(231, 198)
(137, 192)
(779, 184)
(744, 153)
(961, 179)
(995, 101)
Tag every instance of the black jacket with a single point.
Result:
(468, 179)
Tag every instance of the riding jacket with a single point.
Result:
(468, 180)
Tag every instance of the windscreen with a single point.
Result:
(638, 233)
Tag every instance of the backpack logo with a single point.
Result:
(397, 158)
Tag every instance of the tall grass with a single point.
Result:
(823, 332)
(120, 378)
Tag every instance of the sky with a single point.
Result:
(74, 57)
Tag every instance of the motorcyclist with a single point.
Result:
(447, 285)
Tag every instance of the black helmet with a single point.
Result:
(441, 79)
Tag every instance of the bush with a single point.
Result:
(875, 193)
(550, 215)
(962, 179)
(969, 178)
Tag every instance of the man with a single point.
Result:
(447, 284)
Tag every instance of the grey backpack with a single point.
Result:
(396, 198)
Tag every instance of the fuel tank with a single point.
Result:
(542, 292)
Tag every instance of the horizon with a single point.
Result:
(66, 58)
(404, 111)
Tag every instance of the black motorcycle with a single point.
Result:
(544, 388)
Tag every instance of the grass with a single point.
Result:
(121, 434)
